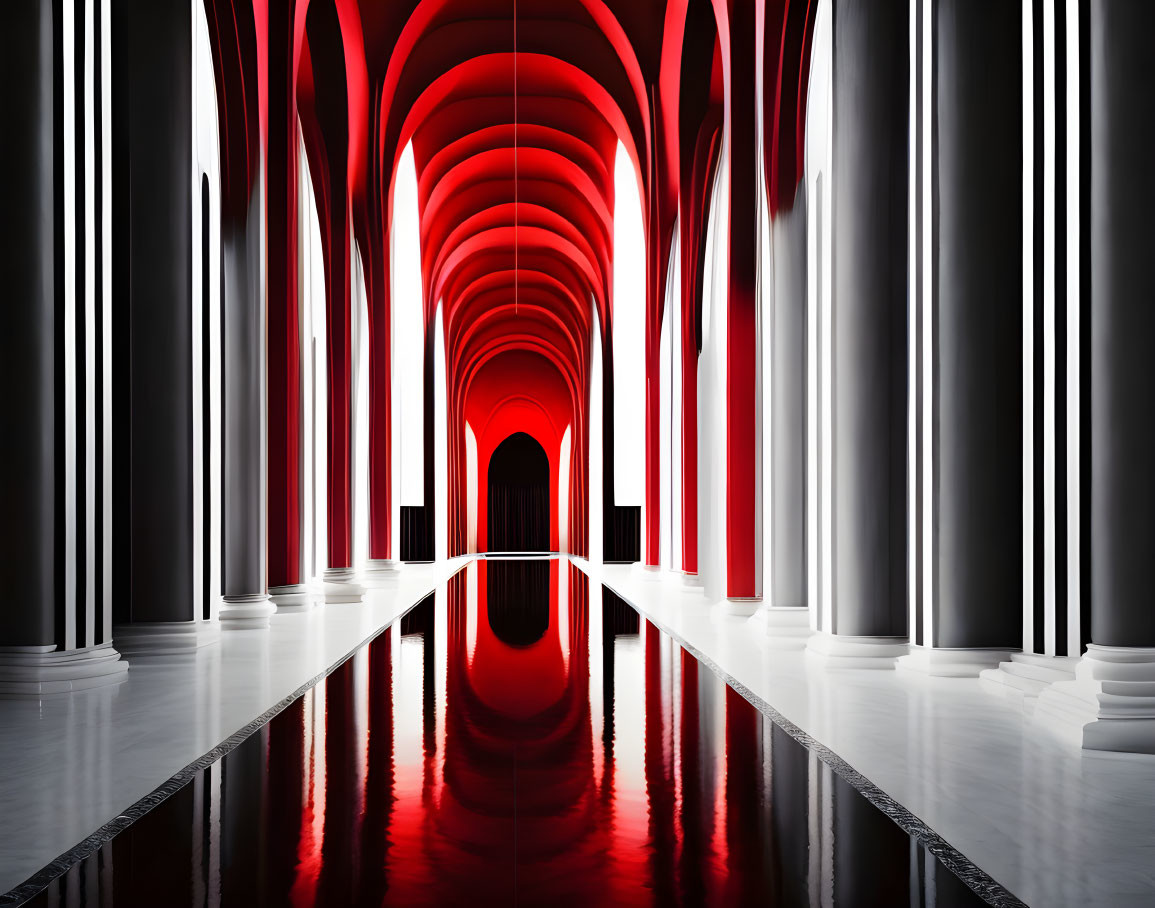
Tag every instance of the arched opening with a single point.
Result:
(518, 502)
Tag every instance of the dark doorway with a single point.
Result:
(518, 518)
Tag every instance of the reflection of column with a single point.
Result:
(55, 635)
(789, 769)
(870, 853)
(286, 780)
(868, 336)
(1109, 705)
(245, 824)
(975, 556)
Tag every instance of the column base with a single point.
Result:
(951, 662)
(785, 627)
(1110, 706)
(693, 581)
(292, 597)
(1026, 676)
(155, 638)
(246, 612)
(742, 606)
(34, 672)
(341, 586)
(381, 572)
(832, 651)
(651, 573)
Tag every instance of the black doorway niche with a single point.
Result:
(518, 519)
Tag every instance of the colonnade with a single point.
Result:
(925, 315)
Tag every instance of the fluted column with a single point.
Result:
(1111, 703)
(157, 609)
(976, 311)
(55, 632)
(286, 531)
(785, 612)
(743, 487)
(867, 368)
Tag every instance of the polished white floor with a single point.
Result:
(72, 763)
(1055, 825)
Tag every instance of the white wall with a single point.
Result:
(818, 166)
(712, 391)
(596, 436)
(408, 336)
(471, 491)
(440, 439)
(207, 476)
(563, 492)
(359, 318)
(629, 337)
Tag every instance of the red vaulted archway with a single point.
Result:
(514, 109)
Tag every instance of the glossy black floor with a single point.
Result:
(511, 745)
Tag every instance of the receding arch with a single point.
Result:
(517, 516)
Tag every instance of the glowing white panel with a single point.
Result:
(629, 336)
(674, 491)
(90, 359)
(106, 308)
(440, 440)
(712, 391)
(563, 493)
(665, 513)
(911, 329)
(470, 489)
(1051, 517)
(1074, 647)
(69, 325)
(1028, 327)
(596, 466)
(359, 300)
(408, 332)
(314, 286)
(928, 507)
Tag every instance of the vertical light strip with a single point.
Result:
(813, 222)
(1073, 389)
(68, 80)
(928, 388)
(826, 354)
(1049, 347)
(911, 332)
(106, 307)
(1028, 329)
(90, 357)
(196, 335)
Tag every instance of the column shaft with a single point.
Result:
(978, 393)
(1122, 329)
(28, 327)
(743, 493)
(870, 96)
(153, 227)
(787, 366)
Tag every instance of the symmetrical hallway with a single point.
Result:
(810, 338)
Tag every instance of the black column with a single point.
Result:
(1122, 321)
(978, 311)
(152, 218)
(28, 361)
(871, 100)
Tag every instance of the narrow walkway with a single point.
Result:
(74, 763)
(1055, 826)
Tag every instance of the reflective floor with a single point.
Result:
(517, 743)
